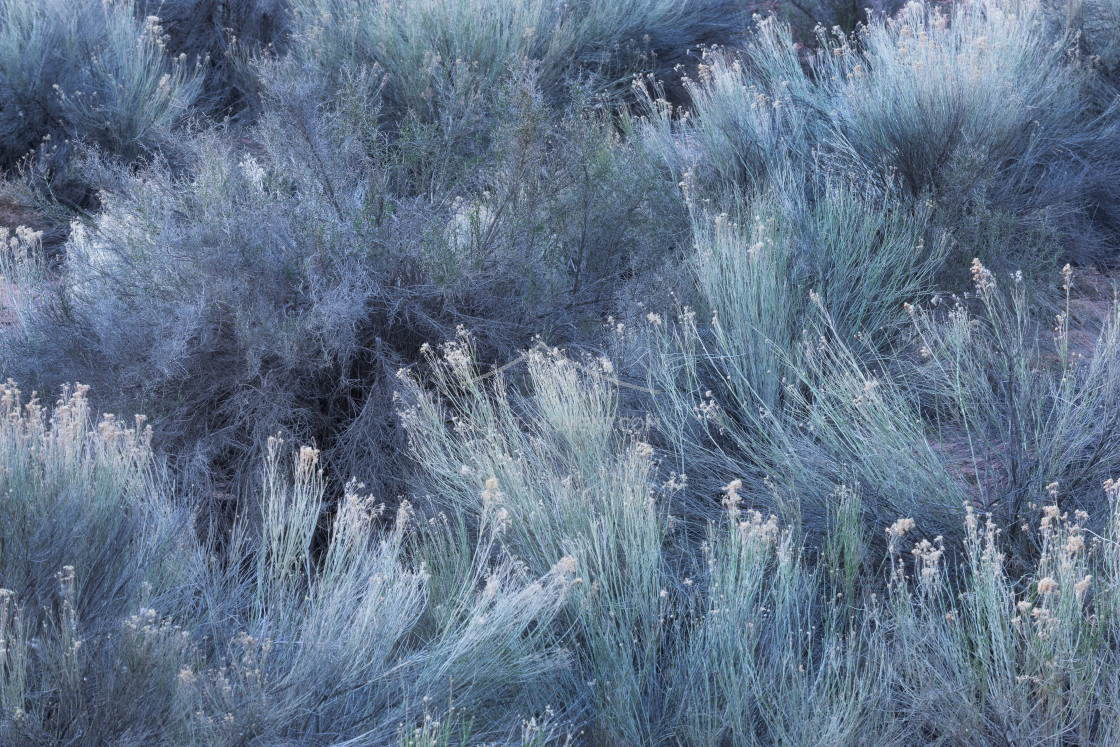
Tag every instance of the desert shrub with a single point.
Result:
(770, 658)
(1094, 21)
(273, 288)
(827, 500)
(146, 635)
(738, 132)
(1028, 401)
(228, 37)
(748, 362)
(762, 638)
(840, 419)
(23, 274)
(431, 51)
(999, 654)
(240, 300)
(551, 565)
(570, 484)
(987, 406)
(987, 110)
(1030, 159)
(87, 71)
(354, 641)
(101, 480)
(756, 274)
(87, 541)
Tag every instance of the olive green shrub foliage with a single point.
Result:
(494, 398)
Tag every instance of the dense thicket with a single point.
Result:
(598, 372)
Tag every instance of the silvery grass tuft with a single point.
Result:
(89, 71)
(986, 404)
(429, 48)
(988, 109)
(572, 485)
(145, 634)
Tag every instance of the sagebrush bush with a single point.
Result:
(70, 585)
(614, 421)
(436, 625)
(771, 657)
(757, 273)
(572, 485)
(1031, 404)
(229, 36)
(988, 110)
(431, 52)
(145, 635)
(988, 406)
(762, 640)
(245, 294)
(87, 71)
(1039, 663)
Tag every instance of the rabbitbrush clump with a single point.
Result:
(495, 395)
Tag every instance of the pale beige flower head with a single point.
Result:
(566, 566)
(308, 457)
(982, 277)
(901, 527)
(732, 499)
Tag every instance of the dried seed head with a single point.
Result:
(982, 277)
(901, 527)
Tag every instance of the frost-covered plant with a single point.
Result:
(22, 276)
